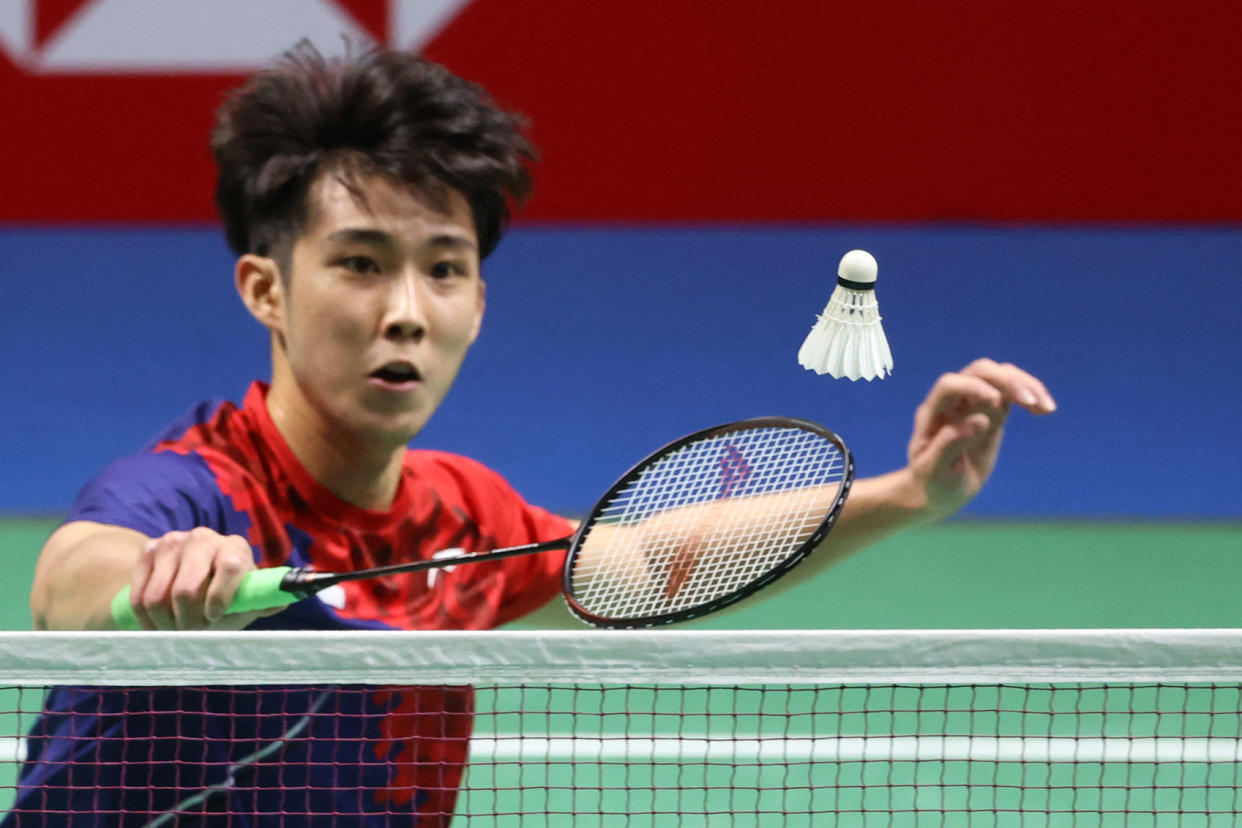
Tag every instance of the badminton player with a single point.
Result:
(361, 197)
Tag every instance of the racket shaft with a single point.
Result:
(319, 580)
(279, 586)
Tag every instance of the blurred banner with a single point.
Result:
(657, 110)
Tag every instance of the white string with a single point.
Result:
(706, 520)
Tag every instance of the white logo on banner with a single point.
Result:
(203, 36)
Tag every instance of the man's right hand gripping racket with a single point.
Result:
(698, 525)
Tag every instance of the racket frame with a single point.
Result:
(716, 604)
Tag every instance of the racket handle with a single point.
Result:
(260, 589)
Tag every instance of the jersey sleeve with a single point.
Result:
(155, 493)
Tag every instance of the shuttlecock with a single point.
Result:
(847, 339)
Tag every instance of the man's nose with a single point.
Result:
(404, 315)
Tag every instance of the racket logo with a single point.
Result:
(684, 562)
(734, 470)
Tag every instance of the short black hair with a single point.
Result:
(381, 112)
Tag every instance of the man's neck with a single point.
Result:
(363, 473)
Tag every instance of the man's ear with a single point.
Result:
(261, 289)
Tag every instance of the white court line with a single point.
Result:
(834, 749)
(12, 750)
(858, 749)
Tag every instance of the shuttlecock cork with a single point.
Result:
(848, 339)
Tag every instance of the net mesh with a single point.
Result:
(706, 520)
(900, 729)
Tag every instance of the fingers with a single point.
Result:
(953, 438)
(983, 386)
(953, 398)
(1015, 384)
(959, 428)
(151, 578)
(953, 392)
(186, 580)
(189, 585)
(233, 560)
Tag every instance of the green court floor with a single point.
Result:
(956, 575)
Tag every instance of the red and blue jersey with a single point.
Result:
(376, 755)
(228, 468)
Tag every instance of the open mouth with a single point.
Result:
(396, 374)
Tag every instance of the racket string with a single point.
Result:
(706, 520)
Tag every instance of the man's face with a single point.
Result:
(383, 299)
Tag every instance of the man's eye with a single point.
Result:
(360, 264)
(443, 270)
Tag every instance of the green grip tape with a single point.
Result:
(259, 590)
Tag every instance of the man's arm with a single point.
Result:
(82, 565)
(952, 451)
(876, 507)
(181, 580)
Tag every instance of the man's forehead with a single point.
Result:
(337, 199)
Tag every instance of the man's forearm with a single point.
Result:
(877, 508)
(80, 568)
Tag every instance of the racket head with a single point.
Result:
(706, 521)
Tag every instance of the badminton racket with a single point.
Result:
(700, 524)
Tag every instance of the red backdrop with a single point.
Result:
(798, 110)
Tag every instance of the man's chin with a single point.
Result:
(403, 434)
(394, 431)
(394, 416)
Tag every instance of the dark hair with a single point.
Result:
(381, 112)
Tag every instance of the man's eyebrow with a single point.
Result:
(367, 235)
(451, 240)
(361, 235)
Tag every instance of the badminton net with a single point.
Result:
(651, 728)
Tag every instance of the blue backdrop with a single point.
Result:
(601, 344)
